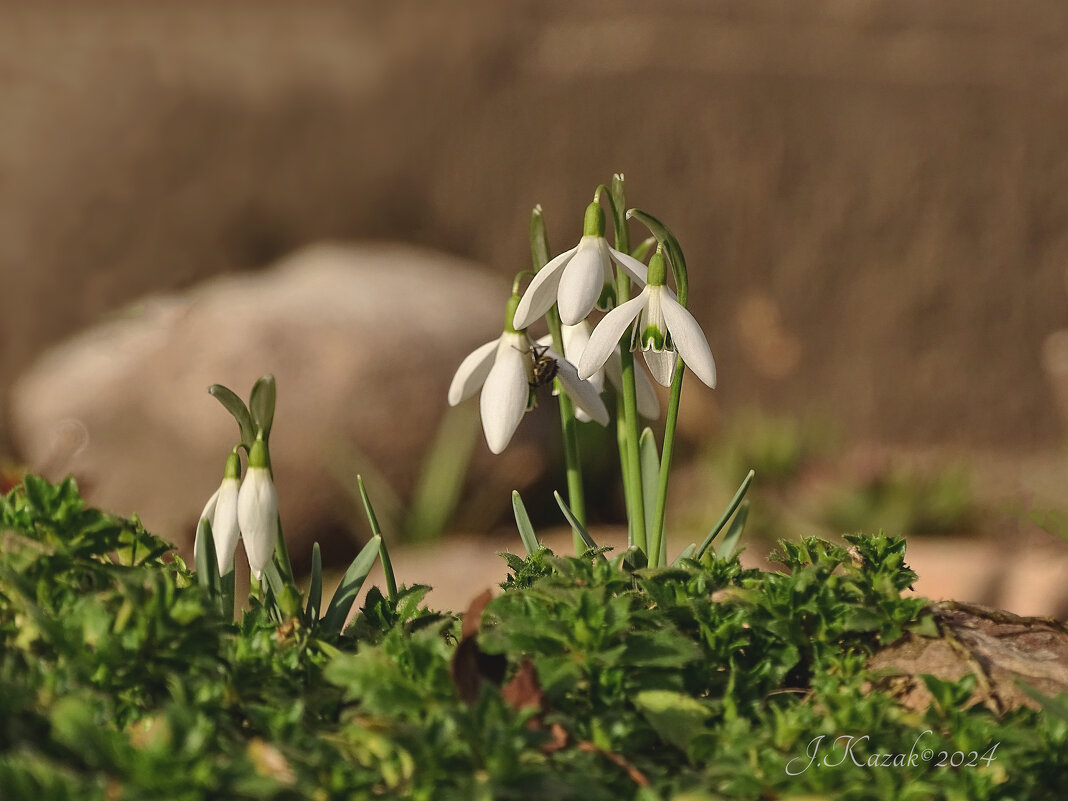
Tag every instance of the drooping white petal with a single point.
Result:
(541, 292)
(605, 336)
(506, 391)
(648, 402)
(224, 524)
(689, 340)
(576, 338)
(661, 364)
(257, 517)
(472, 372)
(638, 271)
(583, 393)
(582, 281)
(207, 514)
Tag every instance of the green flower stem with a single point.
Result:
(635, 503)
(576, 497)
(621, 442)
(677, 260)
(281, 557)
(539, 253)
(629, 457)
(658, 542)
(281, 552)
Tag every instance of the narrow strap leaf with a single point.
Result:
(206, 560)
(235, 406)
(735, 501)
(315, 591)
(228, 591)
(261, 404)
(727, 548)
(349, 588)
(687, 553)
(376, 530)
(575, 524)
(649, 459)
(522, 521)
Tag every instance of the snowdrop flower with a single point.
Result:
(664, 330)
(578, 279)
(504, 369)
(576, 337)
(221, 512)
(257, 509)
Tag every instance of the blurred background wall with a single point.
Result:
(872, 194)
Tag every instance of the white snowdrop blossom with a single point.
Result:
(221, 512)
(257, 510)
(578, 279)
(576, 337)
(664, 331)
(504, 370)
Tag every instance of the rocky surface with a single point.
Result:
(1000, 649)
(871, 194)
(358, 338)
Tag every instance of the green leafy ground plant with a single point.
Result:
(640, 675)
(587, 677)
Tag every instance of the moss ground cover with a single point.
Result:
(589, 677)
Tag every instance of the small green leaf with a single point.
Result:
(539, 239)
(376, 530)
(315, 590)
(731, 507)
(729, 545)
(574, 521)
(235, 406)
(522, 521)
(207, 562)
(644, 248)
(677, 718)
(618, 204)
(925, 626)
(228, 590)
(349, 588)
(860, 618)
(1056, 706)
(649, 460)
(261, 404)
(687, 553)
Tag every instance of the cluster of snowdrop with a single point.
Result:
(245, 510)
(577, 358)
(565, 290)
(576, 282)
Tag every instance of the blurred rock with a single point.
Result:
(363, 341)
(887, 176)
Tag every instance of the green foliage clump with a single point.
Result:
(121, 679)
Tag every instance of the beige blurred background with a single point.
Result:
(872, 196)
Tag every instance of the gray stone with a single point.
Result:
(363, 341)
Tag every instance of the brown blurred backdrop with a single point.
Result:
(872, 194)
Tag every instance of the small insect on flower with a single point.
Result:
(545, 366)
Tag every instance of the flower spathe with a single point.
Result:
(504, 370)
(578, 279)
(664, 330)
(257, 510)
(221, 512)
